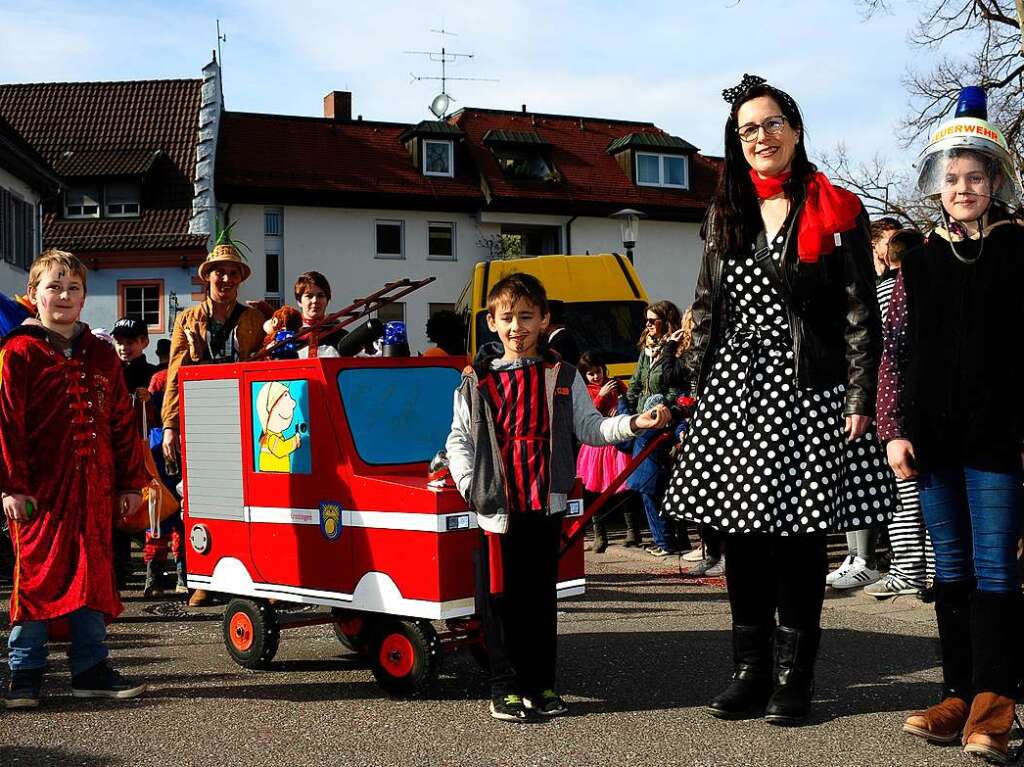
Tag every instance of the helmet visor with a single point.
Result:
(968, 172)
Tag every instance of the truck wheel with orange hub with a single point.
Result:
(404, 655)
(251, 632)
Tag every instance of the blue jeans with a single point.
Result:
(663, 535)
(88, 636)
(974, 519)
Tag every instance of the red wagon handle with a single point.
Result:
(570, 536)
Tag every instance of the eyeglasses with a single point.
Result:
(652, 320)
(772, 127)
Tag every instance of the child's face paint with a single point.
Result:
(59, 298)
(519, 328)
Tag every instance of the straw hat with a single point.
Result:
(224, 254)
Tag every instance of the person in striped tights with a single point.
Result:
(912, 566)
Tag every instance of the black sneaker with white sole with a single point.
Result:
(102, 681)
(23, 690)
(509, 708)
(548, 703)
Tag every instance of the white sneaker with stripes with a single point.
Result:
(839, 571)
(857, 576)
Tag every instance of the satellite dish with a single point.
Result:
(439, 106)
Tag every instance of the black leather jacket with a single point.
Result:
(833, 315)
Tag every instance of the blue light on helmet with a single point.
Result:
(972, 103)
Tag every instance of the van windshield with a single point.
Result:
(398, 415)
(610, 327)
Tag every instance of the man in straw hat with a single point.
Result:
(220, 329)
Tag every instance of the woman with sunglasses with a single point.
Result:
(655, 377)
(784, 359)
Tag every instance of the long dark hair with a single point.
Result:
(734, 218)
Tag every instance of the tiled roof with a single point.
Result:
(155, 228)
(591, 180)
(323, 161)
(432, 128)
(106, 162)
(661, 141)
(278, 159)
(20, 158)
(110, 129)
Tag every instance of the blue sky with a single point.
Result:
(660, 61)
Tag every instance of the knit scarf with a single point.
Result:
(827, 211)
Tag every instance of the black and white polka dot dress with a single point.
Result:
(764, 455)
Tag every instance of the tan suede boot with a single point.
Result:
(942, 723)
(987, 732)
(199, 598)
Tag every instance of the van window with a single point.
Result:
(610, 327)
(398, 415)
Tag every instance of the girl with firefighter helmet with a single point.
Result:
(950, 412)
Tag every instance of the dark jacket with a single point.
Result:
(832, 308)
(953, 371)
(664, 374)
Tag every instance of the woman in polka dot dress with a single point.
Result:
(785, 352)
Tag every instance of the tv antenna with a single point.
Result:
(221, 38)
(443, 100)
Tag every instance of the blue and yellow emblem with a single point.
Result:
(330, 520)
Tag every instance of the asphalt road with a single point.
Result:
(639, 655)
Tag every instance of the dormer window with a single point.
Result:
(438, 158)
(662, 170)
(122, 199)
(82, 202)
(521, 154)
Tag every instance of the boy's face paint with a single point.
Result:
(129, 349)
(519, 327)
(59, 298)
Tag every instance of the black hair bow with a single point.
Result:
(748, 82)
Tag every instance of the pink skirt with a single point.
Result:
(599, 466)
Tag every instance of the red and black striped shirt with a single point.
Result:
(519, 402)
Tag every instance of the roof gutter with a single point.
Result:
(568, 235)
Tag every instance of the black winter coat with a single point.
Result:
(832, 308)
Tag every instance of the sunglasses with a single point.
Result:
(650, 321)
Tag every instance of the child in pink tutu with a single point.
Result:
(598, 466)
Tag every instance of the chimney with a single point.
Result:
(338, 105)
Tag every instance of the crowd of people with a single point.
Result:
(839, 375)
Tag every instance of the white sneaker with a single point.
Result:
(717, 570)
(840, 571)
(858, 576)
(694, 555)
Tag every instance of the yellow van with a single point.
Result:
(603, 296)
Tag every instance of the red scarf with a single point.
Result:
(827, 211)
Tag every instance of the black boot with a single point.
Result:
(152, 587)
(600, 537)
(994, 642)
(953, 616)
(751, 684)
(632, 529)
(795, 652)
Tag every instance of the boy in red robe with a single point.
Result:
(70, 458)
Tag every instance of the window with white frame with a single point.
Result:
(82, 202)
(441, 241)
(122, 199)
(389, 239)
(273, 219)
(438, 158)
(393, 312)
(142, 300)
(668, 170)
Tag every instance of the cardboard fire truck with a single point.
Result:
(305, 481)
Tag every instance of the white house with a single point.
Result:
(26, 179)
(367, 202)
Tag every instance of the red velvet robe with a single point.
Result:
(67, 437)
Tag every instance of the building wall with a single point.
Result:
(340, 243)
(12, 278)
(101, 304)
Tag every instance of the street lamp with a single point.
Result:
(629, 220)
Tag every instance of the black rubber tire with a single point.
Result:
(266, 633)
(404, 676)
(357, 642)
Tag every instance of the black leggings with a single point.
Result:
(766, 573)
